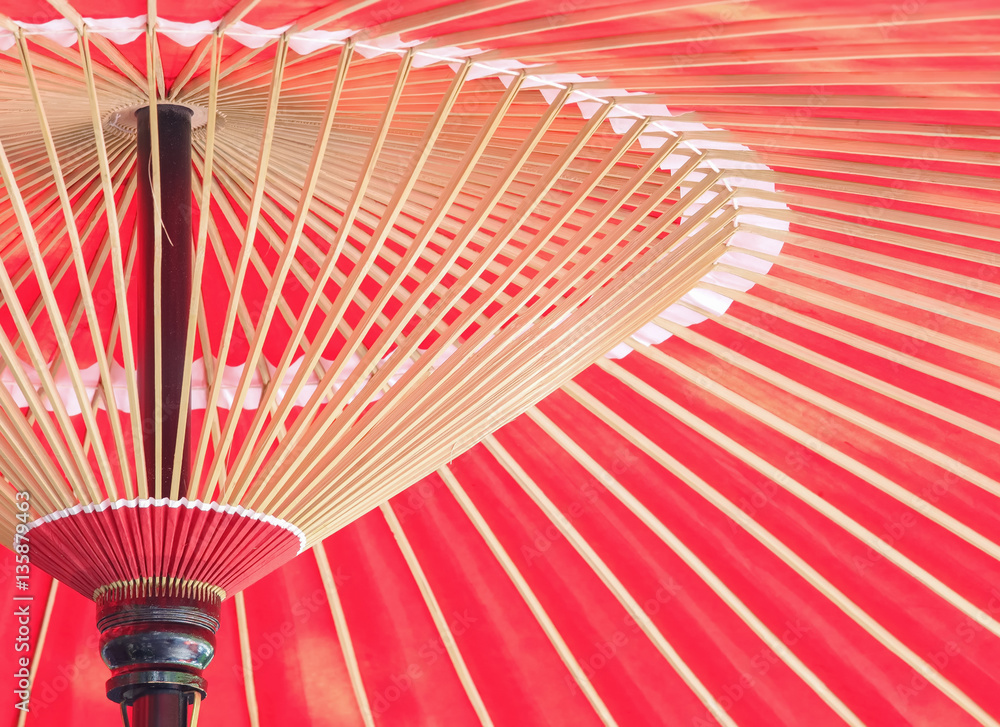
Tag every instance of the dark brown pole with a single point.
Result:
(163, 705)
(160, 708)
(175, 280)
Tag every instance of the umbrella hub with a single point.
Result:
(124, 119)
(157, 647)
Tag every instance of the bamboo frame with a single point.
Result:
(413, 209)
(782, 551)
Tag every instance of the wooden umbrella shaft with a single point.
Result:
(160, 708)
(164, 294)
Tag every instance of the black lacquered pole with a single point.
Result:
(175, 285)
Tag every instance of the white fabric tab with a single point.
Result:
(119, 31)
(59, 31)
(313, 40)
(422, 58)
(253, 37)
(386, 44)
(186, 34)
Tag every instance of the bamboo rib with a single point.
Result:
(627, 600)
(537, 610)
(783, 651)
(775, 26)
(861, 343)
(559, 338)
(74, 464)
(880, 318)
(379, 236)
(458, 290)
(284, 264)
(440, 620)
(871, 540)
(211, 412)
(593, 16)
(849, 373)
(429, 356)
(440, 209)
(201, 240)
(783, 552)
(849, 414)
(246, 659)
(343, 635)
(86, 297)
(153, 72)
(468, 210)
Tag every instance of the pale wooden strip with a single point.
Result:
(439, 395)
(440, 620)
(86, 295)
(235, 14)
(784, 553)
(822, 401)
(879, 234)
(75, 466)
(888, 262)
(407, 348)
(444, 202)
(865, 284)
(915, 51)
(870, 315)
(663, 82)
(38, 651)
(246, 660)
(274, 292)
(212, 405)
(575, 18)
(316, 19)
(182, 443)
(153, 71)
(774, 144)
(343, 632)
(607, 576)
(118, 273)
(779, 125)
(825, 363)
(916, 173)
(121, 64)
(353, 341)
(196, 710)
(873, 541)
(861, 343)
(881, 213)
(456, 408)
(443, 14)
(745, 613)
(524, 589)
(466, 423)
(795, 25)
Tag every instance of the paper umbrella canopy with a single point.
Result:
(678, 319)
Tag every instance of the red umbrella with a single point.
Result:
(452, 211)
